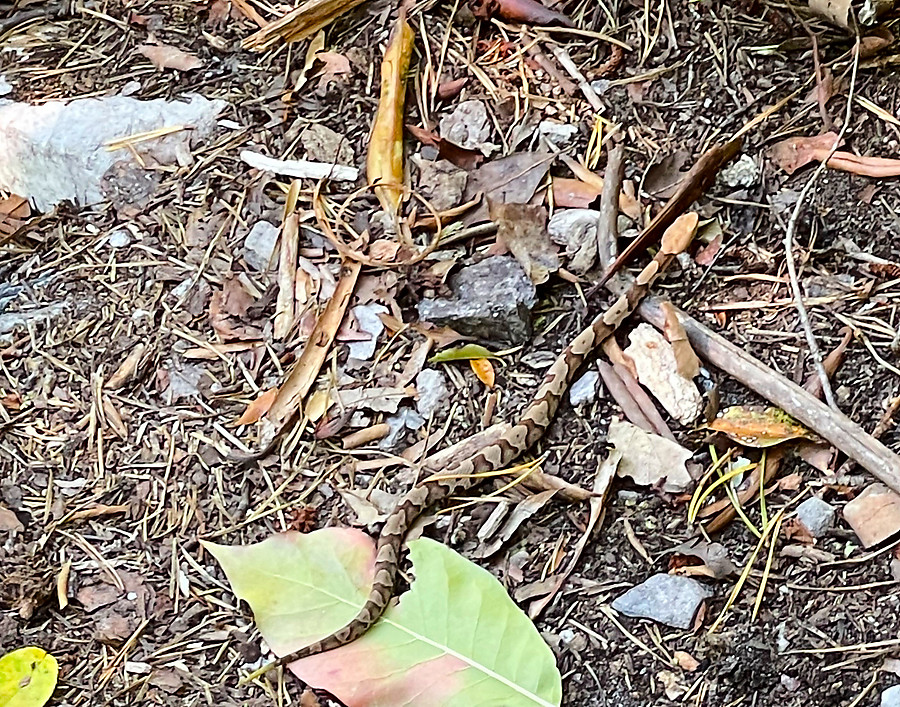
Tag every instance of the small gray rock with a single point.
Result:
(492, 300)
(120, 238)
(468, 126)
(584, 390)
(432, 388)
(816, 515)
(891, 697)
(742, 173)
(259, 244)
(441, 182)
(560, 134)
(670, 599)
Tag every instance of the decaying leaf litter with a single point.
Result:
(139, 330)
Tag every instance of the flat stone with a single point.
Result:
(669, 599)
(816, 515)
(492, 300)
(431, 385)
(584, 390)
(891, 697)
(259, 245)
(874, 515)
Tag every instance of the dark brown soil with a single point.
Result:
(120, 509)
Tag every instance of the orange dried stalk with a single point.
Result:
(384, 163)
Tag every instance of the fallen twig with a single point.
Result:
(814, 350)
(691, 188)
(607, 230)
(830, 424)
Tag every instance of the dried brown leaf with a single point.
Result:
(525, 11)
(687, 363)
(163, 56)
(796, 152)
(649, 459)
(258, 407)
(522, 229)
(874, 515)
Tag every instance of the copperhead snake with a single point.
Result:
(530, 427)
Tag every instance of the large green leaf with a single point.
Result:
(455, 639)
(27, 677)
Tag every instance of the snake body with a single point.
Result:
(530, 427)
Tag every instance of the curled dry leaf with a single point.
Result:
(713, 559)
(657, 366)
(14, 210)
(522, 229)
(686, 360)
(649, 459)
(526, 11)
(257, 408)
(759, 428)
(836, 11)
(456, 155)
(796, 152)
(298, 24)
(163, 56)
(484, 370)
(384, 162)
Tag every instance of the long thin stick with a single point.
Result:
(832, 425)
(814, 350)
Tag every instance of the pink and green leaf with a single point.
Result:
(454, 639)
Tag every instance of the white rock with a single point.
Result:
(560, 134)
(657, 370)
(57, 151)
(431, 385)
(259, 245)
(891, 697)
(370, 323)
(120, 238)
(744, 172)
(584, 390)
(468, 126)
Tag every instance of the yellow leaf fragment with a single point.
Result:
(484, 370)
(27, 677)
(759, 428)
(384, 162)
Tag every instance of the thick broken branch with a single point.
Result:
(832, 425)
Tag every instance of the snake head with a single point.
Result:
(678, 236)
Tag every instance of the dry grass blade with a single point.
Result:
(299, 23)
(290, 396)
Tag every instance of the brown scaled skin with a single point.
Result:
(526, 432)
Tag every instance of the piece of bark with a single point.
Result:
(607, 230)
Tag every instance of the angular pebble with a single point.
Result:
(891, 697)
(584, 390)
(874, 515)
(670, 599)
(431, 386)
(492, 300)
(816, 515)
(259, 244)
